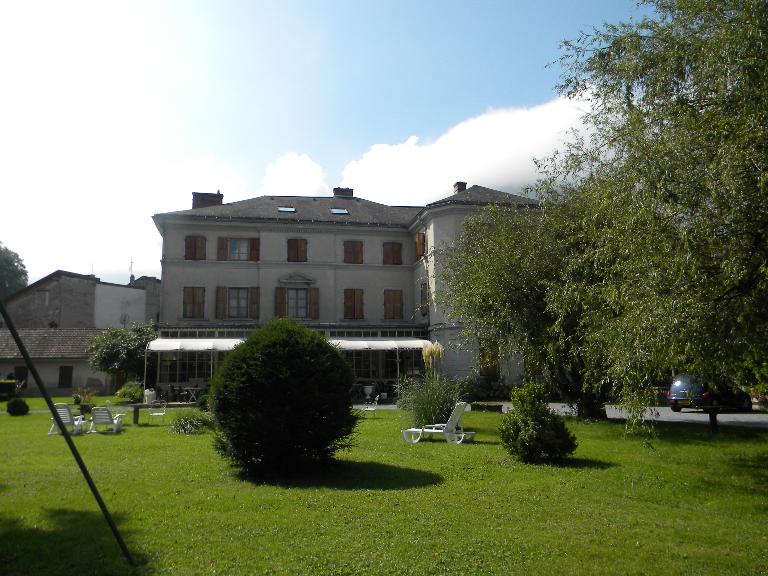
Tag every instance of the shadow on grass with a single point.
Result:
(346, 475)
(77, 543)
(579, 463)
(685, 432)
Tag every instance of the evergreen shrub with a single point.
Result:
(281, 400)
(532, 432)
(132, 391)
(17, 407)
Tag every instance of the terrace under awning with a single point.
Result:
(351, 344)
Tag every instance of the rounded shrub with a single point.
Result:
(17, 407)
(281, 400)
(532, 432)
(132, 391)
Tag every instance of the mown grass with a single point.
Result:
(688, 505)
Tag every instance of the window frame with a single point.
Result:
(353, 251)
(297, 249)
(242, 306)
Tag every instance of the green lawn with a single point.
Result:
(688, 505)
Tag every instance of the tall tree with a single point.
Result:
(13, 274)
(672, 175)
(120, 351)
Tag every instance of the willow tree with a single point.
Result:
(671, 173)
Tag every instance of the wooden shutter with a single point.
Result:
(353, 251)
(359, 315)
(302, 250)
(314, 303)
(281, 301)
(221, 302)
(420, 244)
(194, 302)
(221, 252)
(393, 304)
(387, 256)
(349, 303)
(189, 248)
(424, 304)
(255, 251)
(254, 294)
(397, 253)
(293, 250)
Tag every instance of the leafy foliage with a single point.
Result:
(192, 422)
(17, 407)
(121, 350)
(13, 273)
(132, 391)
(532, 432)
(429, 399)
(281, 400)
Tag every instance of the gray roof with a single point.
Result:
(309, 209)
(48, 343)
(317, 209)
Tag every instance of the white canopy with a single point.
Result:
(193, 344)
(380, 344)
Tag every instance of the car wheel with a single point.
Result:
(675, 408)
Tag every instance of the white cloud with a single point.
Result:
(294, 175)
(495, 149)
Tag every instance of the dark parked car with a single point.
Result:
(688, 391)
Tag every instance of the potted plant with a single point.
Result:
(84, 398)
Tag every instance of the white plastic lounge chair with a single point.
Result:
(65, 413)
(157, 410)
(451, 430)
(101, 416)
(371, 406)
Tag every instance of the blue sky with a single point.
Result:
(114, 111)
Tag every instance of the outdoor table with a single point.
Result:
(137, 407)
(192, 393)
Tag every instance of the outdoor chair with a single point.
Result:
(65, 413)
(157, 411)
(115, 410)
(451, 430)
(371, 406)
(101, 416)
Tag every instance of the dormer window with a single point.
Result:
(340, 211)
(286, 209)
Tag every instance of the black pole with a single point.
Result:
(66, 435)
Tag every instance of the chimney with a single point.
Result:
(205, 199)
(343, 192)
(459, 187)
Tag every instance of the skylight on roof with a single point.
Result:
(339, 211)
(286, 209)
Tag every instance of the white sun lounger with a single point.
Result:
(451, 430)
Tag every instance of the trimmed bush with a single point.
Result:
(132, 391)
(532, 432)
(430, 399)
(17, 407)
(281, 400)
(192, 422)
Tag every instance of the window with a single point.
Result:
(393, 253)
(297, 250)
(194, 248)
(353, 251)
(421, 241)
(297, 302)
(238, 249)
(424, 304)
(65, 376)
(339, 211)
(237, 305)
(353, 304)
(286, 209)
(237, 302)
(194, 302)
(393, 304)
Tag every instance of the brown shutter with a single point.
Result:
(254, 294)
(387, 257)
(393, 304)
(189, 248)
(349, 304)
(424, 305)
(255, 250)
(359, 305)
(420, 238)
(187, 303)
(314, 302)
(348, 256)
(293, 251)
(302, 250)
(221, 252)
(221, 302)
(397, 253)
(358, 252)
(398, 304)
(281, 301)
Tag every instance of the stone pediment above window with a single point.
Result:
(296, 280)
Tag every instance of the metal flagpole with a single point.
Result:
(66, 434)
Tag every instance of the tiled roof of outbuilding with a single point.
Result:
(48, 343)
